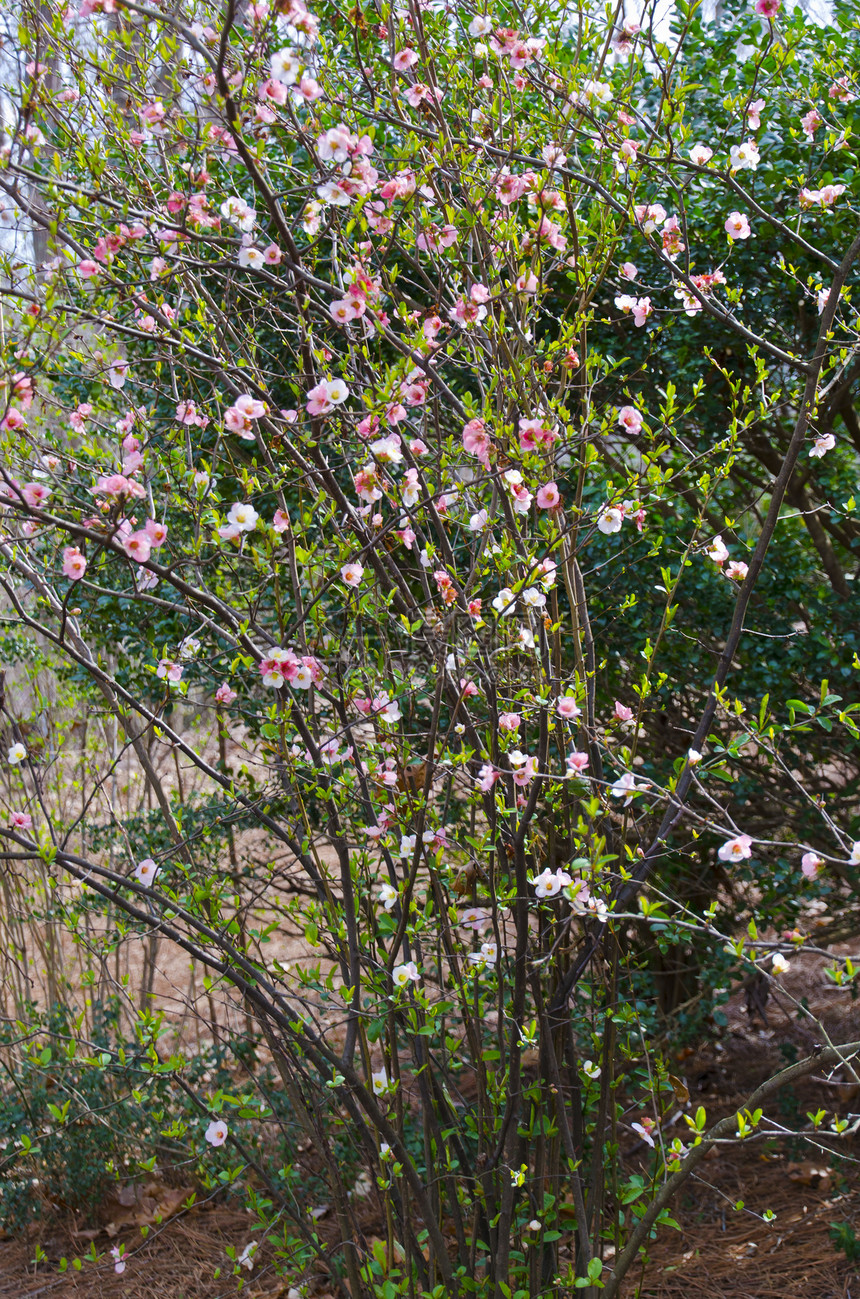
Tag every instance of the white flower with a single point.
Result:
(855, 853)
(16, 754)
(216, 1133)
(610, 519)
(243, 516)
(404, 974)
(533, 598)
(487, 955)
(239, 213)
(823, 443)
(285, 66)
(779, 964)
(590, 1069)
(387, 895)
(505, 601)
(146, 872)
(480, 25)
(745, 157)
(550, 883)
(379, 1082)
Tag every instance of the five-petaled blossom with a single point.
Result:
(17, 753)
(146, 872)
(737, 226)
(404, 974)
(550, 883)
(739, 849)
(216, 1133)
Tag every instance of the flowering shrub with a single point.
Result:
(409, 392)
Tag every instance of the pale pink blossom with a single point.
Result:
(74, 563)
(548, 497)
(216, 1133)
(138, 546)
(754, 114)
(352, 574)
(737, 226)
(811, 864)
(823, 443)
(739, 849)
(146, 872)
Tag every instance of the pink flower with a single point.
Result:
(119, 1261)
(642, 311)
(811, 122)
(754, 114)
(20, 820)
(12, 420)
(525, 767)
(476, 441)
(404, 59)
(628, 271)
(717, 551)
(737, 225)
(630, 419)
(737, 570)
(622, 713)
(811, 864)
(74, 563)
(225, 694)
(138, 546)
(167, 670)
(739, 849)
(487, 778)
(157, 532)
(281, 521)
(35, 495)
(216, 1133)
(548, 497)
(509, 721)
(768, 8)
(352, 574)
(568, 708)
(576, 763)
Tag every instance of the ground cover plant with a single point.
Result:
(427, 558)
